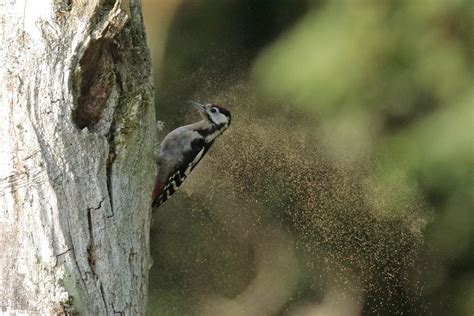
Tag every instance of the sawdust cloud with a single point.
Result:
(268, 190)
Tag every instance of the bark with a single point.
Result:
(76, 157)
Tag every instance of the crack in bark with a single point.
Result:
(121, 312)
(91, 252)
(79, 269)
(102, 293)
(108, 172)
(61, 254)
(74, 257)
(90, 247)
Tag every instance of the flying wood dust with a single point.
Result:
(269, 173)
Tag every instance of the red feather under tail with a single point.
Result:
(158, 189)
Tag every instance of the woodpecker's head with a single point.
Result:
(215, 114)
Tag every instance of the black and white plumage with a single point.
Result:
(183, 148)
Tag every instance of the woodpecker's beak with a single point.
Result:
(201, 108)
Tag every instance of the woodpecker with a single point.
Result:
(183, 148)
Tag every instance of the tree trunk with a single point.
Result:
(76, 157)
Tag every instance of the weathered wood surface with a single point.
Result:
(76, 161)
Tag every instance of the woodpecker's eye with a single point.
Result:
(214, 110)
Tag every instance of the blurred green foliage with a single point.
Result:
(345, 183)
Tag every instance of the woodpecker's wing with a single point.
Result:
(163, 191)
